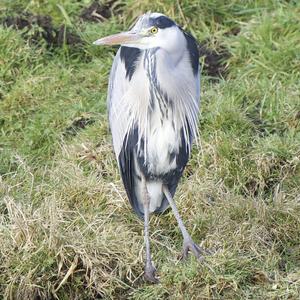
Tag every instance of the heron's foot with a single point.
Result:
(189, 245)
(149, 274)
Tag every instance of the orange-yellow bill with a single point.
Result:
(119, 38)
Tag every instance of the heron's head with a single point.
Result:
(152, 30)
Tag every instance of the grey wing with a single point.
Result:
(123, 134)
(116, 91)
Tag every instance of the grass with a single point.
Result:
(67, 230)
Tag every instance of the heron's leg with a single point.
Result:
(188, 243)
(149, 267)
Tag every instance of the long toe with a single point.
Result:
(194, 248)
(149, 274)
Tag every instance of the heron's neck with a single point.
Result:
(159, 62)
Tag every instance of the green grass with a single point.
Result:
(66, 228)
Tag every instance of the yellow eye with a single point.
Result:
(154, 30)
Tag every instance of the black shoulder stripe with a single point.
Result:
(192, 46)
(130, 57)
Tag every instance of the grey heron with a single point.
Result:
(153, 104)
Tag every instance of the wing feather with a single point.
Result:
(124, 134)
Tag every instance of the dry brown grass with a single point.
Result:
(66, 228)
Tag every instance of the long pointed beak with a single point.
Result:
(119, 38)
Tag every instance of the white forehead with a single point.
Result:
(153, 19)
(144, 20)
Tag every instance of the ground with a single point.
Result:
(67, 230)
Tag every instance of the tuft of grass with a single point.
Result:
(67, 230)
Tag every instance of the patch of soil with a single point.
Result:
(78, 124)
(16, 22)
(99, 12)
(233, 31)
(64, 35)
(96, 12)
(40, 27)
(214, 62)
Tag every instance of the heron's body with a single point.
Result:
(153, 103)
(153, 124)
